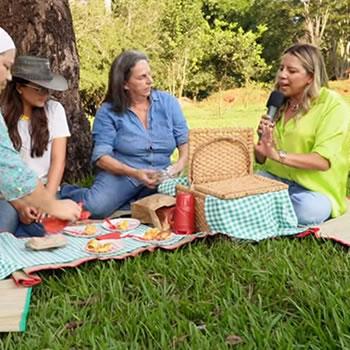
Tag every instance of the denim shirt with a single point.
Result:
(124, 137)
(16, 180)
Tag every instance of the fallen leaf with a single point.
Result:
(71, 326)
(233, 339)
(179, 340)
(88, 301)
(250, 291)
(216, 312)
(201, 326)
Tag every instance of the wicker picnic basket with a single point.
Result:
(221, 165)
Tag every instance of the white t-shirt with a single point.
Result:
(58, 127)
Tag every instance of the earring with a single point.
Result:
(19, 91)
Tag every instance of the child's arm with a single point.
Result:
(58, 162)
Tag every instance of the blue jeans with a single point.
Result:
(9, 222)
(311, 208)
(107, 194)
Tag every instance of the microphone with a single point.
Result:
(274, 102)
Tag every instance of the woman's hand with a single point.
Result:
(148, 177)
(27, 215)
(265, 121)
(267, 145)
(41, 214)
(65, 210)
(175, 169)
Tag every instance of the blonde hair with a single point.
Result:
(312, 61)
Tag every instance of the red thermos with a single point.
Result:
(181, 217)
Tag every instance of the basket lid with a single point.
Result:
(241, 187)
(219, 154)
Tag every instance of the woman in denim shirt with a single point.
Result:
(135, 132)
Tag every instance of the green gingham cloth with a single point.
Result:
(15, 256)
(253, 217)
(169, 186)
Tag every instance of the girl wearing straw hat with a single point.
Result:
(17, 182)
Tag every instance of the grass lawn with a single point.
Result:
(284, 293)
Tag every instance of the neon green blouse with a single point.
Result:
(325, 129)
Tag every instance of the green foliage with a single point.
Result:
(91, 23)
(102, 36)
(235, 54)
(187, 55)
(197, 47)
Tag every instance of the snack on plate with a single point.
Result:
(95, 246)
(151, 233)
(163, 235)
(155, 234)
(89, 230)
(123, 225)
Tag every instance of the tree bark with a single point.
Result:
(44, 27)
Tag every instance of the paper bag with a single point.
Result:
(153, 210)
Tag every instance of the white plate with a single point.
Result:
(77, 231)
(154, 241)
(117, 244)
(133, 223)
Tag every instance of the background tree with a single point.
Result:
(337, 39)
(101, 36)
(43, 27)
(182, 30)
(315, 21)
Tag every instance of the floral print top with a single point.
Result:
(16, 180)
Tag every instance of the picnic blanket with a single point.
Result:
(255, 217)
(14, 306)
(15, 256)
(337, 229)
(252, 218)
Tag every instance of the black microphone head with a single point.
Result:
(276, 99)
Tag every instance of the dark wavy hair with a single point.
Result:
(12, 109)
(120, 73)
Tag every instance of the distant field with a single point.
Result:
(244, 111)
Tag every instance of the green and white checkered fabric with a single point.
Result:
(15, 256)
(169, 186)
(254, 217)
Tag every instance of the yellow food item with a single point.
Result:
(123, 225)
(95, 246)
(163, 235)
(155, 234)
(89, 230)
(151, 233)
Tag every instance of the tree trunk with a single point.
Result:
(44, 27)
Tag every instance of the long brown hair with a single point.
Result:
(12, 109)
(119, 73)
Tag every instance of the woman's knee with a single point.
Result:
(9, 219)
(311, 208)
(99, 209)
(102, 204)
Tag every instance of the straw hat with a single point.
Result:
(37, 70)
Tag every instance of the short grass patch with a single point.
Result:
(283, 293)
(278, 294)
